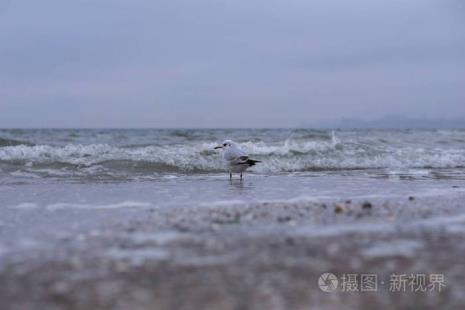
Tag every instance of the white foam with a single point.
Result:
(25, 206)
(456, 229)
(124, 204)
(24, 174)
(405, 248)
(363, 228)
(287, 155)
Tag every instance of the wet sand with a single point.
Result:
(257, 255)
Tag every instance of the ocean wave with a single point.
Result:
(12, 142)
(290, 155)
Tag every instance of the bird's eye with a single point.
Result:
(224, 144)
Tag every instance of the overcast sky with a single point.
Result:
(235, 63)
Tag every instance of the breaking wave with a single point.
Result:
(288, 155)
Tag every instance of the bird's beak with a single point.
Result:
(218, 147)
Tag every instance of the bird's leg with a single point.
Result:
(241, 175)
(230, 175)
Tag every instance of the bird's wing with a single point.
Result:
(239, 160)
(234, 154)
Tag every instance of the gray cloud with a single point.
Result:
(141, 63)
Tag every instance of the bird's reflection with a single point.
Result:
(240, 186)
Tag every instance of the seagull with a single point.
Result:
(236, 159)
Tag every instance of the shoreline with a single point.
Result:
(255, 255)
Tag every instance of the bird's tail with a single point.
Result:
(252, 162)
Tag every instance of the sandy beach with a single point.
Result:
(235, 255)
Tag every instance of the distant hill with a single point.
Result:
(391, 122)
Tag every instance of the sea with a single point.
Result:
(56, 182)
(125, 155)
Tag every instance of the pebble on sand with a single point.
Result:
(367, 205)
(339, 208)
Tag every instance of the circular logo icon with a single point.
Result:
(328, 282)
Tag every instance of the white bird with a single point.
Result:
(236, 160)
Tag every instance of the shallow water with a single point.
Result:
(37, 214)
(210, 189)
